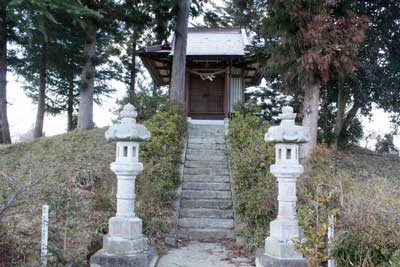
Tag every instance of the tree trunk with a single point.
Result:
(5, 128)
(349, 117)
(310, 116)
(341, 106)
(133, 66)
(70, 106)
(38, 130)
(177, 89)
(85, 119)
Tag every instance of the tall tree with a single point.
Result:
(377, 79)
(177, 89)
(137, 17)
(311, 43)
(38, 130)
(4, 125)
(38, 36)
(85, 119)
(108, 25)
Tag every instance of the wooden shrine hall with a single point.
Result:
(219, 67)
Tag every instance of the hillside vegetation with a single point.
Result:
(361, 189)
(71, 173)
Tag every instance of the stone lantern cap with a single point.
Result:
(126, 129)
(287, 131)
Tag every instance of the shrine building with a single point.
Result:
(219, 66)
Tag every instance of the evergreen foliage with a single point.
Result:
(386, 145)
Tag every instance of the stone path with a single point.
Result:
(197, 254)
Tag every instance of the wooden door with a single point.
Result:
(206, 97)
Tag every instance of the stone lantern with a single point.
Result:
(125, 245)
(279, 248)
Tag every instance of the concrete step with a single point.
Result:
(206, 171)
(205, 234)
(206, 157)
(206, 146)
(208, 141)
(206, 178)
(205, 223)
(206, 194)
(205, 152)
(206, 213)
(197, 171)
(206, 164)
(205, 186)
(207, 136)
(207, 133)
(206, 203)
(207, 128)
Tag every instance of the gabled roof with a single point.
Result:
(216, 41)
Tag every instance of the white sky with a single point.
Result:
(22, 111)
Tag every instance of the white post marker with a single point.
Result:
(331, 235)
(45, 229)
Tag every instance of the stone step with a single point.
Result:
(205, 223)
(206, 136)
(206, 194)
(206, 164)
(208, 141)
(205, 234)
(206, 213)
(206, 146)
(205, 152)
(206, 178)
(207, 128)
(205, 186)
(197, 171)
(206, 171)
(206, 203)
(206, 157)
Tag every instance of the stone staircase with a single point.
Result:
(206, 200)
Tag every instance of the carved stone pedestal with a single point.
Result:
(266, 260)
(279, 248)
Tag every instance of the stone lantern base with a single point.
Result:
(124, 246)
(265, 260)
(103, 259)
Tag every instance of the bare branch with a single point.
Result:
(9, 202)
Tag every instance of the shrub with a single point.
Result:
(254, 187)
(318, 198)
(370, 225)
(157, 184)
(146, 104)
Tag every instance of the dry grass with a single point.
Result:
(75, 180)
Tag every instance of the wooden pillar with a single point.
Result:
(226, 93)
(243, 84)
(187, 95)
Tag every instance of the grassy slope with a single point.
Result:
(364, 164)
(64, 155)
(63, 163)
